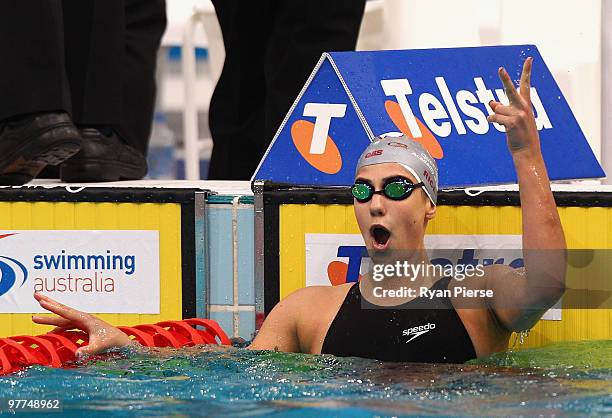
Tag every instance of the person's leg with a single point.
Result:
(303, 30)
(236, 115)
(78, 20)
(145, 24)
(94, 40)
(35, 127)
(32, 74)
(111, 63)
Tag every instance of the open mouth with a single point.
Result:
(380, 236)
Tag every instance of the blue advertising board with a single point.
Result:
(438, 97)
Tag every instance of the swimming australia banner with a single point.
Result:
(438, 97)
(94, 271)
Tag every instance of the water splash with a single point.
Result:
(523, 336)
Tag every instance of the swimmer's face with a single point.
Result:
(391, 225)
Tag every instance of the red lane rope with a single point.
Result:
(185, 330)
(55, 349)
(79, 338)
(65, 348)
(210, 325)
(140, 336)
(42, 346)
(161, 336)
(20, 353)
(4, 362)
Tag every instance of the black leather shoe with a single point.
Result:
(103, 158)
(28, 143)
(49, 172)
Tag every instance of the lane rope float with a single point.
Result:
(58, 348)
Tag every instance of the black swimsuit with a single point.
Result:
(421, 330)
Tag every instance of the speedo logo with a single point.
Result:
(441, 118)
(415, 332)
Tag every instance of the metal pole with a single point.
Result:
(190, 111)
(259, 237)
(606, 84)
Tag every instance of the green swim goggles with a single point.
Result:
(396, 188)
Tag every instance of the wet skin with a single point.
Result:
(299, 322)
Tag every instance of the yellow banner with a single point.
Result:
(583, 228)
(162, 217)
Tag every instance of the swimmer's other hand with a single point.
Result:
(102, 335)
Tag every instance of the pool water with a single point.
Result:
(566, 379)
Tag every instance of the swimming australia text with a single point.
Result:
(65, 261)
(81, 273)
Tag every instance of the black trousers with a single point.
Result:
(271, 48)
(92, 58)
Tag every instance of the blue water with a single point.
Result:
(244, 383)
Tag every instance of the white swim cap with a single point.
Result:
(407, 152)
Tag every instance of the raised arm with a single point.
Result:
(542, 281)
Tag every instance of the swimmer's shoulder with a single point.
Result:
(314, 298)
(299, 322)
(315, 308)
(311, 302)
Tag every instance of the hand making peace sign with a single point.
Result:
(517, 117)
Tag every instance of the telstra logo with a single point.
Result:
(427, 139)
(312, 140)
(442, 113)
(460, 111)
